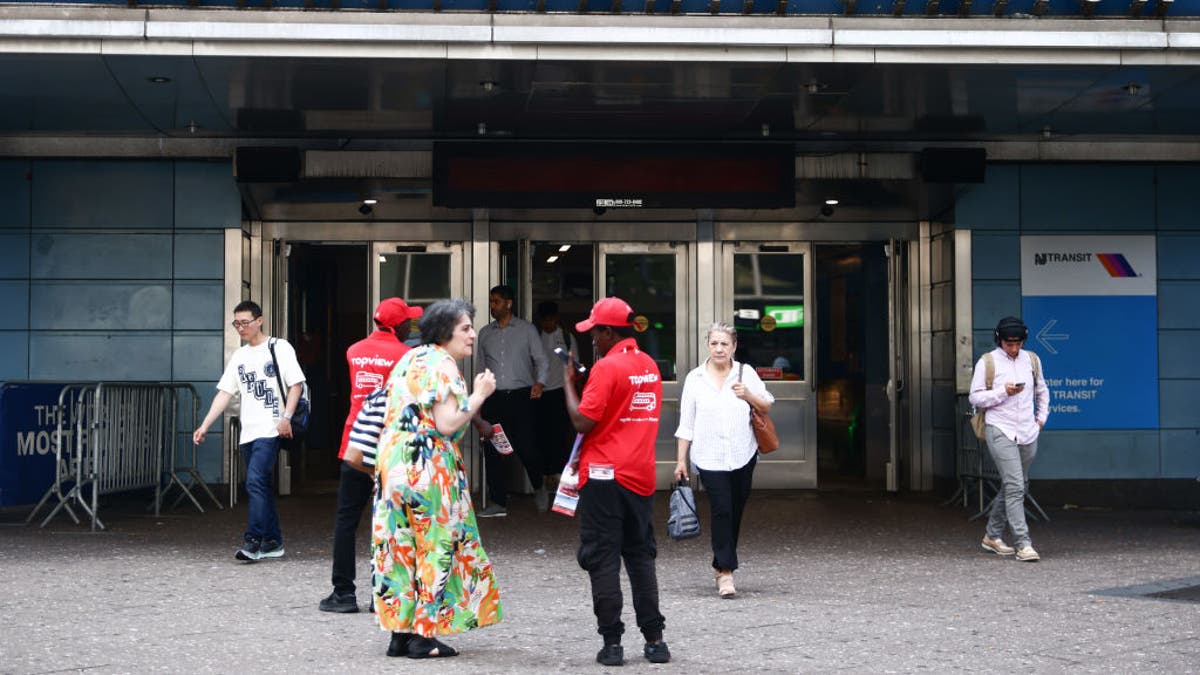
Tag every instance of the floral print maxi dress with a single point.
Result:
(432, 576)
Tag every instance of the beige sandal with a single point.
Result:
(725, 584)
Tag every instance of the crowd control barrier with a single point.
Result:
(118, 436)
(978, 477)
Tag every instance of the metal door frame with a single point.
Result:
(455, 249)
(784, 473)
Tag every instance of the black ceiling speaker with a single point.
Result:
(267, 164)
(953, 165)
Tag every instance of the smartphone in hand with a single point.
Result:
(566, 358)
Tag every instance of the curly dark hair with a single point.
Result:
(438, 321)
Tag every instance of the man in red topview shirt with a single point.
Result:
(618, 414)
(371, 361)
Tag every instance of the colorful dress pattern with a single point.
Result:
(432, 576)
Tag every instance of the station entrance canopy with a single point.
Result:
(363, 95)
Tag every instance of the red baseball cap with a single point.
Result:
(394, 311)
(607, 312)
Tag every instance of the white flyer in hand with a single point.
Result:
(567, 497)
(500, 440)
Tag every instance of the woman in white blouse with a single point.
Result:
(714, 424)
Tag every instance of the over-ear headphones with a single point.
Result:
(1008, 328)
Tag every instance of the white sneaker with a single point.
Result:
(996, 546)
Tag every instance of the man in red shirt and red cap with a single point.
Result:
(371, 361)
(618, 414)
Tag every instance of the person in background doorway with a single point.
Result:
(265, 418)
(432, 576)
(552, 431)
(510, 348)
(618, 415)
(714, 424)
(371, 361)
(1009, 386)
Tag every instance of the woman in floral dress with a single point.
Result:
(432, 576)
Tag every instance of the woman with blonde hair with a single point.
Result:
(714, 426)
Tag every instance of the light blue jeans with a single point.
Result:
(1012, 461)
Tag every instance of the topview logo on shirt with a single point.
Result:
(1116, 264)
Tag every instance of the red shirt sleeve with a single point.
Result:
(596, 393)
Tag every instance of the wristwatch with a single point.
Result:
(287, 416)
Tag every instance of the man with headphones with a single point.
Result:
(1010, 388)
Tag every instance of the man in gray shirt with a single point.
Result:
(511, 348)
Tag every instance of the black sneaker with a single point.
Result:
(341, 604)
(611, 655)
(657, 652)
(270, 549)
(250, 551)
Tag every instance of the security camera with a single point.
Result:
(827, 210)
(599, 210)
(366, 209)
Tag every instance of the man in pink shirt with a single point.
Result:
(371, 361)
(1016, 403)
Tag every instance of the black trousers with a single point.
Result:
(354, 494)
(513, 409)
(727, 495)
(552, 433)
(616, 524)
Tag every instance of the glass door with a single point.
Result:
(767, 291)
(652, 278)
(420, 273)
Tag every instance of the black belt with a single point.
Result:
(513, 392)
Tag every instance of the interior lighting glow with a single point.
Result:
(372, 202)
(564, 248)
(552, 258)
(831, 202)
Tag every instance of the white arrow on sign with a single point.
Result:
(1044, 336)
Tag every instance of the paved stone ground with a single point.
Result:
(850, 582)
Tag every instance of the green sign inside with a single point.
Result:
(786, 316)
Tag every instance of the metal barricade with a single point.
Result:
(977, 474)
(233, 458)
(114, 437)
(186, 404)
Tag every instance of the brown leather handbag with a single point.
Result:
(761, 424)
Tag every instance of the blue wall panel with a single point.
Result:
(1096, 455)
(77, 255)
(206, 196)
(200, 255)
(14, 304)
(1180, 453)
(199, 304)
(1178, 199)
(1178, 304)
(14, 355)
(1178, 407)
(91, 305)
(93, 194)
(995, 256)
(991, 205)
(1179, 255)
(1087, 198)
(14, 254)
(992, 300)
(14, 194)
(100, 356)
(198, 356)
(1179, 354)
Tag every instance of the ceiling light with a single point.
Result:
(564, 248)
(371, 201)
(383, 258)
(832, 202)
(158, 79)
(552, 258)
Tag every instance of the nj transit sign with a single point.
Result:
(1092, 311)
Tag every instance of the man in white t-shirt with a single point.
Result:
(265, 418)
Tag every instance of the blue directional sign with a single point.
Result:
(1092, 313)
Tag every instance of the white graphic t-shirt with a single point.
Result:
(251, 374)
